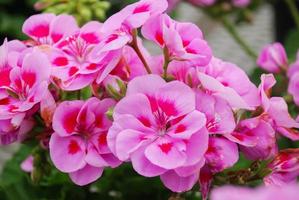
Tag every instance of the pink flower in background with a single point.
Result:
(241, 3)
(27, 164)
(288, 192)
(203, 2)
(79, 146)
(285, 168)
(157, 128)
(15, 129)
(293, 74)
(276, 110)
(48, 28)
(184, 41)
(273, 58)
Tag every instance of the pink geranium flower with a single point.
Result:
(273, 58)
(183, 41)
(157, 128)
(79, 146)
(276, 110)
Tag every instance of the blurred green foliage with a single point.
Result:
(12, 15)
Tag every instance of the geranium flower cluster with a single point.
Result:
(184, 115)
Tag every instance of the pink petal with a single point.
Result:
(65, 116)
(63, 26)
(176, 99)
(94, 158)
(196, 147)
(86, 175)
(191, 169)
(164, 153)
(178, 184)
(221, 154)
(91, 32)
(125, 122)
(38, 26)
(226, 93)
(188, 126)
(27, 164)
(143, 166)
(137, 105)
(67, 153)
(127, 142)
(31, 69)
(147, 85)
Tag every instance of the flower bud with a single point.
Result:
(273, 58)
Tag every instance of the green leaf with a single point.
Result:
(292, 44)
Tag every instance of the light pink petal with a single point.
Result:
(153, 29)
(137, 105)
(292, 134)
(196, 147)
(278, 110)
(91, 32)
(125, 122)
(62, 26)
(165, 153)
(65, 116)
(127, 142)
(38, 26)
(198, 52)
(176, 183)
(112, 58)
(226, 93)
(176, 99)
(94, 158)
(86, 175)
(67, 153)
(78, 82)
(267, 82)
(147, 85)
(191, 169)
(188, 126)
(143, 166)
(112, 161)
(35, 68)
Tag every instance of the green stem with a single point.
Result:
(166, 62)
(233, 32)
(79, 94)
(134, 45)
(294, 11)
